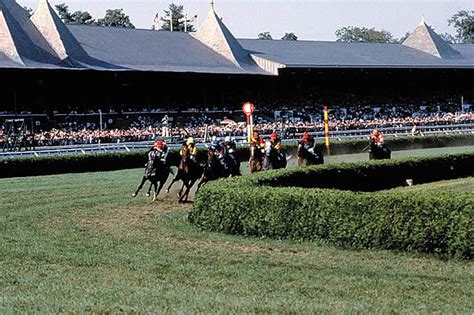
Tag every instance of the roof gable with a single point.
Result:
(214, 34)
(20, 40)
(425, 39)
(56, 33)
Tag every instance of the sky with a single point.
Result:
(308, 19)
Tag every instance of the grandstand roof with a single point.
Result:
(45, 42)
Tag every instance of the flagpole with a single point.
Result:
(171, 21)
(186, 23)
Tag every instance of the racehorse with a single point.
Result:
(156, 172)
(256, 159)
(189, 171)
(306, 158)
(273, 159)
(213, 169)
(379, 152)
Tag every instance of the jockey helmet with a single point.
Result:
(159, 144)
(305, 135)
(227, 139)
(274, 136)
(256, 135)
(190, 141)
(375, 132)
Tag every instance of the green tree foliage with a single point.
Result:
(463, 22)
(265, 35)
(450, 39)
(76, 17)
(353, 34)
(115, 18)
(289, 36)
(176, 12)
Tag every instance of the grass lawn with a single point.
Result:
(456, 185)
(79, 243)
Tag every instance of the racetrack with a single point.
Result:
(79, 243)
(347, 158)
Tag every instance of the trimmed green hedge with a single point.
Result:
(116, 161)
(257, 205)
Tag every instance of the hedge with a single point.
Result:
(258, 205)
(116, 161)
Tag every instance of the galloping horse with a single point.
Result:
(273, 159)
(306, 158)
(379, 152)
(213, 170)
(156, 172)
(189, 171)
(256, 158)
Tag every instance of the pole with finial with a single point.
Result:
(212, 4)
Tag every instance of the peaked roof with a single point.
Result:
(424, 38)
(214, 34)
(19, 38)
(56, 33)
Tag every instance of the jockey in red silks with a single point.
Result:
(162, 150)
(308, 142)
(376, 137)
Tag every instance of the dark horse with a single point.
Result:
(256, 158)
(379, 151)
(273, 159)
(306, 158)
(189, 171)
(213, 169)
(157, 172)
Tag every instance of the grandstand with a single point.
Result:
(51, 72)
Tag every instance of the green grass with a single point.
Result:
(456, 185)
(79, 243)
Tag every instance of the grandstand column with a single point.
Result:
(326, 129)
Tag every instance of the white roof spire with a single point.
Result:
(56, 33)
(425, 39)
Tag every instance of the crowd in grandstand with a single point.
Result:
(290, 120)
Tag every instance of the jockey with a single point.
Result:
(231, 149)
(376, 138)
(257, 140)
(276, 141)
(192, 149)
(161, 150)
(229, 145)
(308, 142)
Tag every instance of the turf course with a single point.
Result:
(79, 243)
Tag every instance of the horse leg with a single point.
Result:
(184, 197)
(139, 187)
(201, 183)
(155, 194)
(180, 193)
(149, 189)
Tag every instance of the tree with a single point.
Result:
(450, 39)
(175, 11)
(463, 22)
(403, 38)
(115, 18)
(289, 36)
(353, 34)
(77, 17)
(265, 35)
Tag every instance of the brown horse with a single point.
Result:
(189, 171)
(256, 159)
